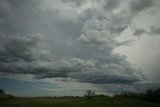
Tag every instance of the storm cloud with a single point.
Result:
(68, 39)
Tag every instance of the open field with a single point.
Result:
(75, 102)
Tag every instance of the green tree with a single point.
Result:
(2, 92)
(89, 94)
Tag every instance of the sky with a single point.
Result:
(64, 47)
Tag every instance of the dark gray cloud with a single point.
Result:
(154, 30)
(24, 11)
(139, 32)
(16, 48)
(52, 39)
(111, 4)
(75, 2)
(117, 29)
(139, 5)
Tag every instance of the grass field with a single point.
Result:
(75, 102)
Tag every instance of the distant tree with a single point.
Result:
(89, 94)
(151, 95)
(2, 92)
(101, 95)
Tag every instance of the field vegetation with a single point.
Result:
(90, 99)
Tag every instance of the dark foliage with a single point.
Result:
(89, 94)
(101, 96)
(2, 92)
(150, 95)
(5, 95)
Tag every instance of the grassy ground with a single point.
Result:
(74, 102)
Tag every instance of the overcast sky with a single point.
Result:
(63, 47)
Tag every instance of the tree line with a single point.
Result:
(151, 95)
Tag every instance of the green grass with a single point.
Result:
(75, 102)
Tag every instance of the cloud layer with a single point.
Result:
(69, 39)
